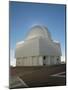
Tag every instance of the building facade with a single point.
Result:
(38, 48)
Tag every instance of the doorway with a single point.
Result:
(44, 60)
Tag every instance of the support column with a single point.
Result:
(40, 59)
(48, 60)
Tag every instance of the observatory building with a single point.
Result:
(38, 49)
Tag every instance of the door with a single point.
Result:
(44, 60)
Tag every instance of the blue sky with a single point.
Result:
(24, 15)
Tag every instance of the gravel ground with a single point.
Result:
(40, 76)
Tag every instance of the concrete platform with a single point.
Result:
(40, 76)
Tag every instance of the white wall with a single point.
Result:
(30, 61)
(40, 61)
(28, 48)
(48, 48)
(48, 60)
(37, 61)
(38, 46)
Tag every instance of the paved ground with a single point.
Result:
(41, 76)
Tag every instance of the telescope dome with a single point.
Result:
(38, 31)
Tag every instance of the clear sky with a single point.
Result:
(24, 15)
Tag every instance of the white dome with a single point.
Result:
(38, 31)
